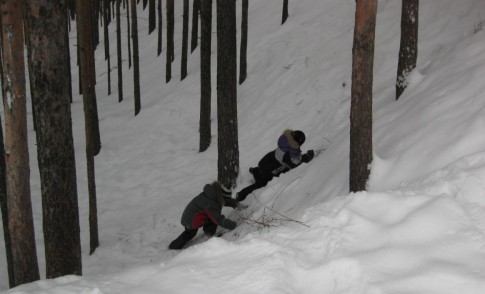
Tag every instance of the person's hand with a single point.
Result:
(308, 156)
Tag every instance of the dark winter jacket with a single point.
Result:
(287, 156)
(206, 206)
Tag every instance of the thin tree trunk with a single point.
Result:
(151, 16)
(129, 32)
(195, 25)
(228, 149)
(160, 34)
(205, 74)
(285, 12)
(185, 41)
(118, 50)
(408, 50)
(84, 23)
(19, 206)
(136, 63)
(106, 42)
(170, 49)
(244, 42)
(361, 103)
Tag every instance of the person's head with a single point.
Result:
(298, 136)
(222, 191)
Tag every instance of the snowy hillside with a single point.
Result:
(419, 229)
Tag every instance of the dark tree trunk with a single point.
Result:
(408, 50)
(145, 2)
(151, 16)
(185, 40)
(195, 25)
(84, 23)
(19, 206)
(3, 188)
(205, 74)
(95, 24)
(118, 50)
(244, 42)
(361, 104)
(285, 11)
(228, 149)
(170, 31)
(107, 56)
(129, 32)
(55, 148)
(136, 63)
(160, 32)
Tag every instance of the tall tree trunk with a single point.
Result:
(160, 34)
(195, 25)
(361, 104)
(151, 16)
(170, 49)
(285, 12)
(118, 50)
(136, 63)
(3, 187)
(205, 74)
(244, 42)
(408, 50)
(84, 23)
(19, 206)
(228, 149)
(107, 56)
(185, 41)
(129, 32)
(55, 148)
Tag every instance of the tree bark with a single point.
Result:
(361, 100)
(228, 149)
(19, 206)
(55, 148)
(205, 74)
(408, 50)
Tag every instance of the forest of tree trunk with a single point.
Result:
(361, 94)
(19, 206)
(408, 49)
(47, 27)
(160, 32)
(205, 74)
(228, 146)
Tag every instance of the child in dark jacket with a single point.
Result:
(287, 156)
(205, 211)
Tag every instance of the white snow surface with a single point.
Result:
(420, 227)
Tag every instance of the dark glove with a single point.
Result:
(308, 156)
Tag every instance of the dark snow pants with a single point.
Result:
(261, 179)
(187, 235)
